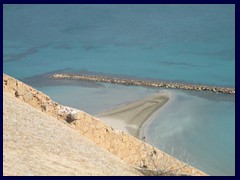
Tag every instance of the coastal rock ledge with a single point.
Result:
(137, 154)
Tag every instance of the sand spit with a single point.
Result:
(130, 117)
(136, 82)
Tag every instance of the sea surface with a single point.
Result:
(179, 43)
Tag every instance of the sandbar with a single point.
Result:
(131, 117)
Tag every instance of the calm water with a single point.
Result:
(203, 133)
(186, 43)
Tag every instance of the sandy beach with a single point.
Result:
(131, 117)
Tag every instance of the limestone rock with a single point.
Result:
(28, 97)
(11, 83)
(21, 90)
(48, 108)
(75, 115)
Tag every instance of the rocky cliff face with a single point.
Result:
(134, 152)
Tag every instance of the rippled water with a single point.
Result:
(193, 43)
(180, 43)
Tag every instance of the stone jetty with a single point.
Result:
(135, 82)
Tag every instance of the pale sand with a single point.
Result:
(131, 117)
(145, 126)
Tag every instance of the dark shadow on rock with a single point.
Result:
(69, 119)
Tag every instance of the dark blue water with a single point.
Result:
(180, 43)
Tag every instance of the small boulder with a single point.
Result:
(75, 115)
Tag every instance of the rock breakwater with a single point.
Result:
(135, 82)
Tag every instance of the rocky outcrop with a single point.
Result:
(133, 151)
(36, 144)
(29, 95)
(136, 82)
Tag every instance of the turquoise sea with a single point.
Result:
(180, 43)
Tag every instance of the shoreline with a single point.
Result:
(131, 117)
(103, 135)
(145, 126)
(146, 83)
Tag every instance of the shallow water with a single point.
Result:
(199, 131)
(95, 100)
(180, 43)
